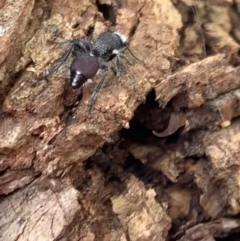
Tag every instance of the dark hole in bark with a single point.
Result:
(144, 172)
(107, 11)
(231, 237)
(75, 25)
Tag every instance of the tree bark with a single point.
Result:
(157, 159)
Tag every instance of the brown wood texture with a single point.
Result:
(159, 157)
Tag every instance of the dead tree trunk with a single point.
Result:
(157, 159)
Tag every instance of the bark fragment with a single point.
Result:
(138, 210)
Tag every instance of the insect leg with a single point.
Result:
(133, 54)
(118, 66)
(81, 46)
(58, 66)
(95, 92)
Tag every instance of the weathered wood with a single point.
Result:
(171, 174)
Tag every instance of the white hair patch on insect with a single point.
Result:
(88, 82)
(122, 37)
(75, 80)
(115, 51)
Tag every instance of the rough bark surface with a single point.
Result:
(158, 159)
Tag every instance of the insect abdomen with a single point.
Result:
(106, 43)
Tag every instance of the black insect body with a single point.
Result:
(89, 57)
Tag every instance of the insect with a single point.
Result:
(91, 56)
